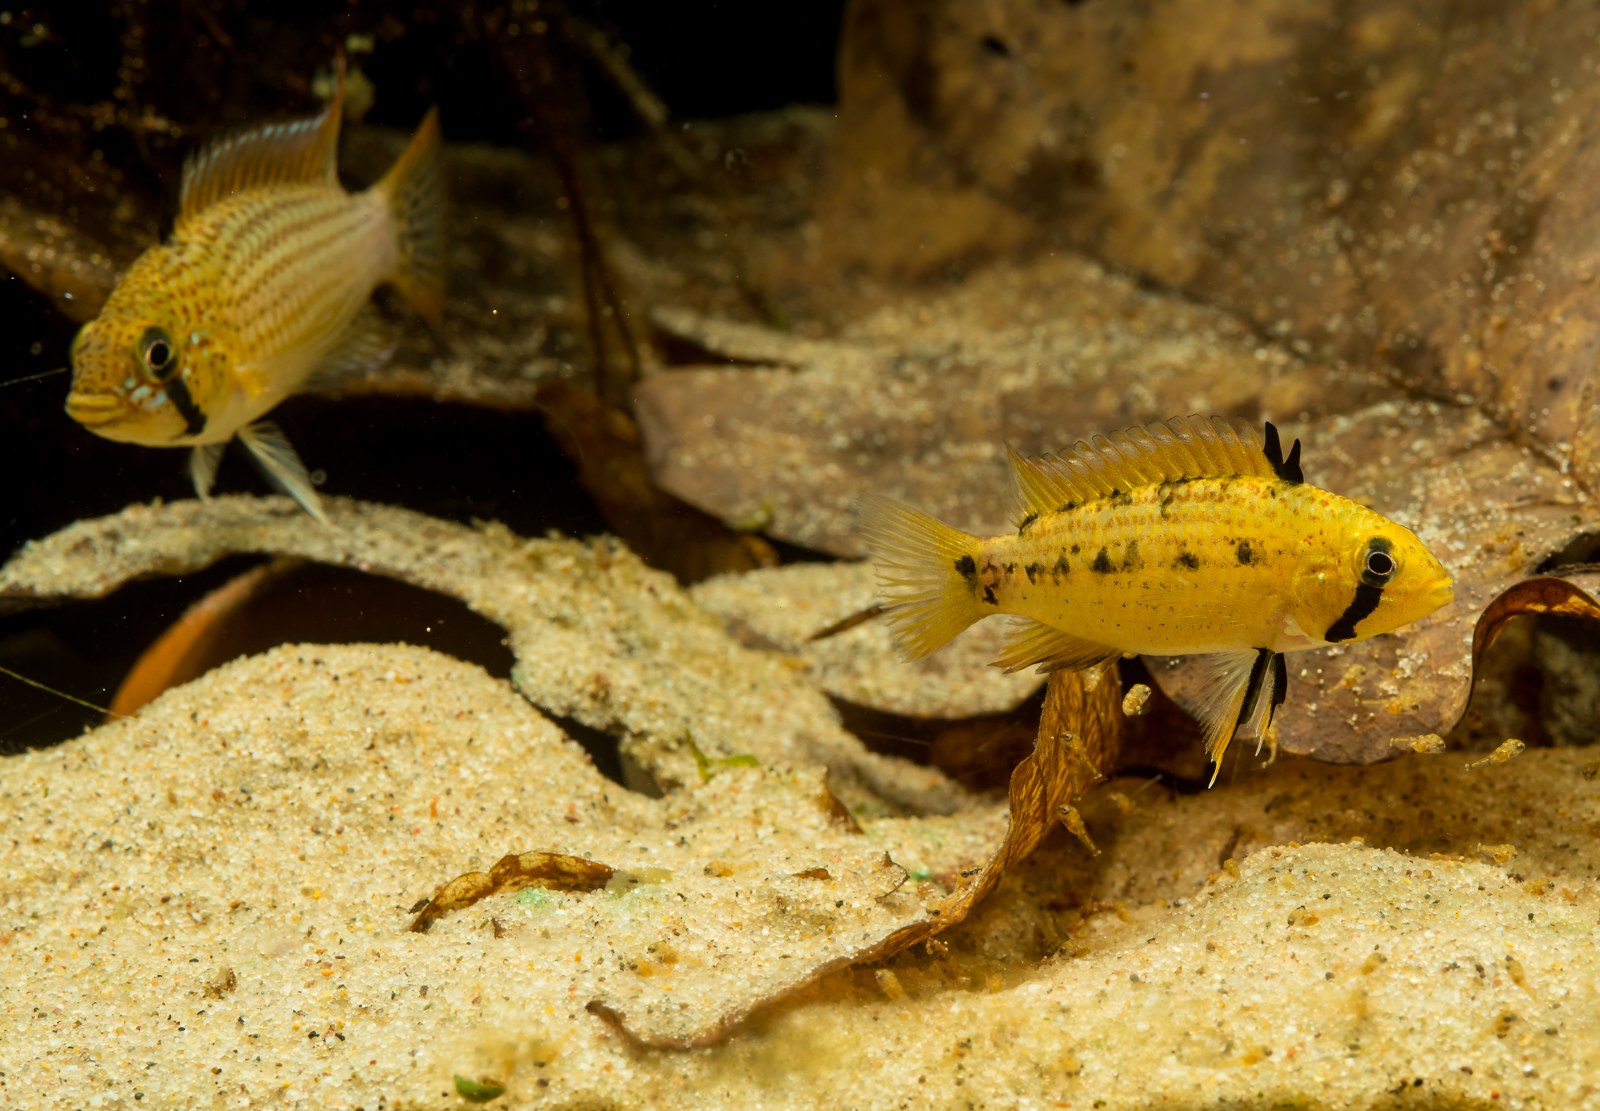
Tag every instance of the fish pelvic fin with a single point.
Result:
(203, 462)
(1030, 642)
(1238, 695)
(271, 451)
(413, 192)
(298, 152)
(927, 573)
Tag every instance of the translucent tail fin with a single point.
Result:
(927, 573)
(413, 191)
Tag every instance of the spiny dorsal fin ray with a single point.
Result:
(297, 152)
(1286, 469)
(1183, 447)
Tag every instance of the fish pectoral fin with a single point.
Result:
(1030, 642)
(277, 459)
(1238, 693)
(252, 379)
(364, 346)
(203, 462)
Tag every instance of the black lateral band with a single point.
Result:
(194, 420)
(1359, 609)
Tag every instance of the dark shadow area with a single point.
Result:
(129, 641)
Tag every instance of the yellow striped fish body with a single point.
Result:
(263, 287)
(1191, 537)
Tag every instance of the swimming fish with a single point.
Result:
(262, 291)
(1188, 537)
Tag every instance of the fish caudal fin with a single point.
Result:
(271, 451)
(413, 192)
(919, 573)
(1238, 696)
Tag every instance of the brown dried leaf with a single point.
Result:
(931, 393)
(784, 607)
(597, 635)
(1080, 733)
(603, 442)
(1435, 225)
(510, 874)
(1558, 597)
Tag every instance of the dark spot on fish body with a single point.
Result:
(1244, 553)
(1062, 567)
(1131, 560)
(1033, 571)
(1187, 560)
(1010, 568)
(1076, 549)
(1102, 563)
(988, 596)
(967, 567)
(1120, 497)
(1068, 508)
(1022, 526)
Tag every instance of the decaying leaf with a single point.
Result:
(751, 841)
(597, 635)
(814, 438)
(603, 442)
(1566, 596)
(1078, 742)
(785, 607)
(551, 871)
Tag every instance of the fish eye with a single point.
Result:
(1379, 566)
(157, 354)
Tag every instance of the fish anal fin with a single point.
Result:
(412, 192)
(297, 152)
(1032, 643)
(1238, 693)
(272, 452)
(1165, 451)
(364, 346)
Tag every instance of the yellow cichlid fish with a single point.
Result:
(1179, 538)
(262, 289)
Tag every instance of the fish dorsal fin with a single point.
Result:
(297, 152)
(1183, 447)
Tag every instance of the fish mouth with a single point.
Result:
(1444, 594)
(93, 409)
